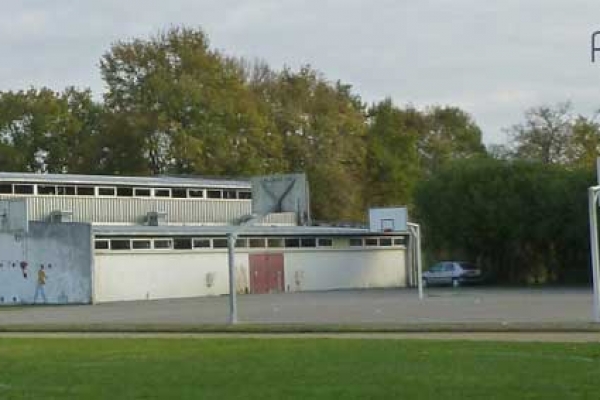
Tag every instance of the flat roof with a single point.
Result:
(255, 230)
(118, 180)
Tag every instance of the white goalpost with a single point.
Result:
(593, 197)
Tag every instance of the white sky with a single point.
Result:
(493, 58)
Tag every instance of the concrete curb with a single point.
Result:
(501, 327)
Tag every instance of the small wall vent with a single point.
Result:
(59, 216)
(156, 218)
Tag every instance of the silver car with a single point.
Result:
(452, 273)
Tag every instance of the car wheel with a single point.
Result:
(424, 281)
(455, 282)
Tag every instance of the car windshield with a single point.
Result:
(468, 266)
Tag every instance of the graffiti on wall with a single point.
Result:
(22, 267)
(64, 251)
(19, 266)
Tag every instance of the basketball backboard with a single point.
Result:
(281, 193)
(392, 219)
(13, 216)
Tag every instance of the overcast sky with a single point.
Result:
(493, 58)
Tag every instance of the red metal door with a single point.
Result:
(275, 272)
(257, 273)
(266, 273)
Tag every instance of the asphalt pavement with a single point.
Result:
(464, 306)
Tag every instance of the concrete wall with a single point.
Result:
(64, 250)
(139, 275)
(345, 269)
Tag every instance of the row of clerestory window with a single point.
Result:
(200, 243)
(124, 191)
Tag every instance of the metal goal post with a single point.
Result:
(593, 196)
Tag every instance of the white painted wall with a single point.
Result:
(345, 269)
(63, 249)
(140, 275)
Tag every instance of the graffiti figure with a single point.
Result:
(24, 268)
(41, 282)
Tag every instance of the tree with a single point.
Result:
(545, 134)
(407, 145)
(15, 132)
(521, 220)
(584, 146)
(393, 155)
(191, 106)
(45, 131)
(71, 144)
(321, 127)
(450, 134)
(556, 135)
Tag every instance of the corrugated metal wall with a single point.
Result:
(119, 210)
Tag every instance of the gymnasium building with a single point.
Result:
(88, 239)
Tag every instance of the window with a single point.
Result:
(229, 194)
(182, 243)
(162, 192)
(101, 244)
(106, 191)
(399, 241)
(355, 242)
(244, 195)
(325, 242)
(196, 193)
(125, 192)
(141, 244)
(6, 188)
(257, 242)
(163, 243)
(241, 243)
(179, 193)
(308, 242)
(141, 192)
(201, 243)
(23, 189)
(385, 241)
(436, 268)
(371, 242)
(219, 243)
(274, 242)
(449, 267)
(65, 190)
(213, 194)
(120, 244)
(292, 242)
(46, 190)
(85, 190)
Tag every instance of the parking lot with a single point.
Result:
(462, 305)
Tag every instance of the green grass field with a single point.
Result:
(295, 369)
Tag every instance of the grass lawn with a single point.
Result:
(295, 369)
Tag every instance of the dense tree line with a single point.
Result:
(521, 221)
(520, 211)
(173, 105)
